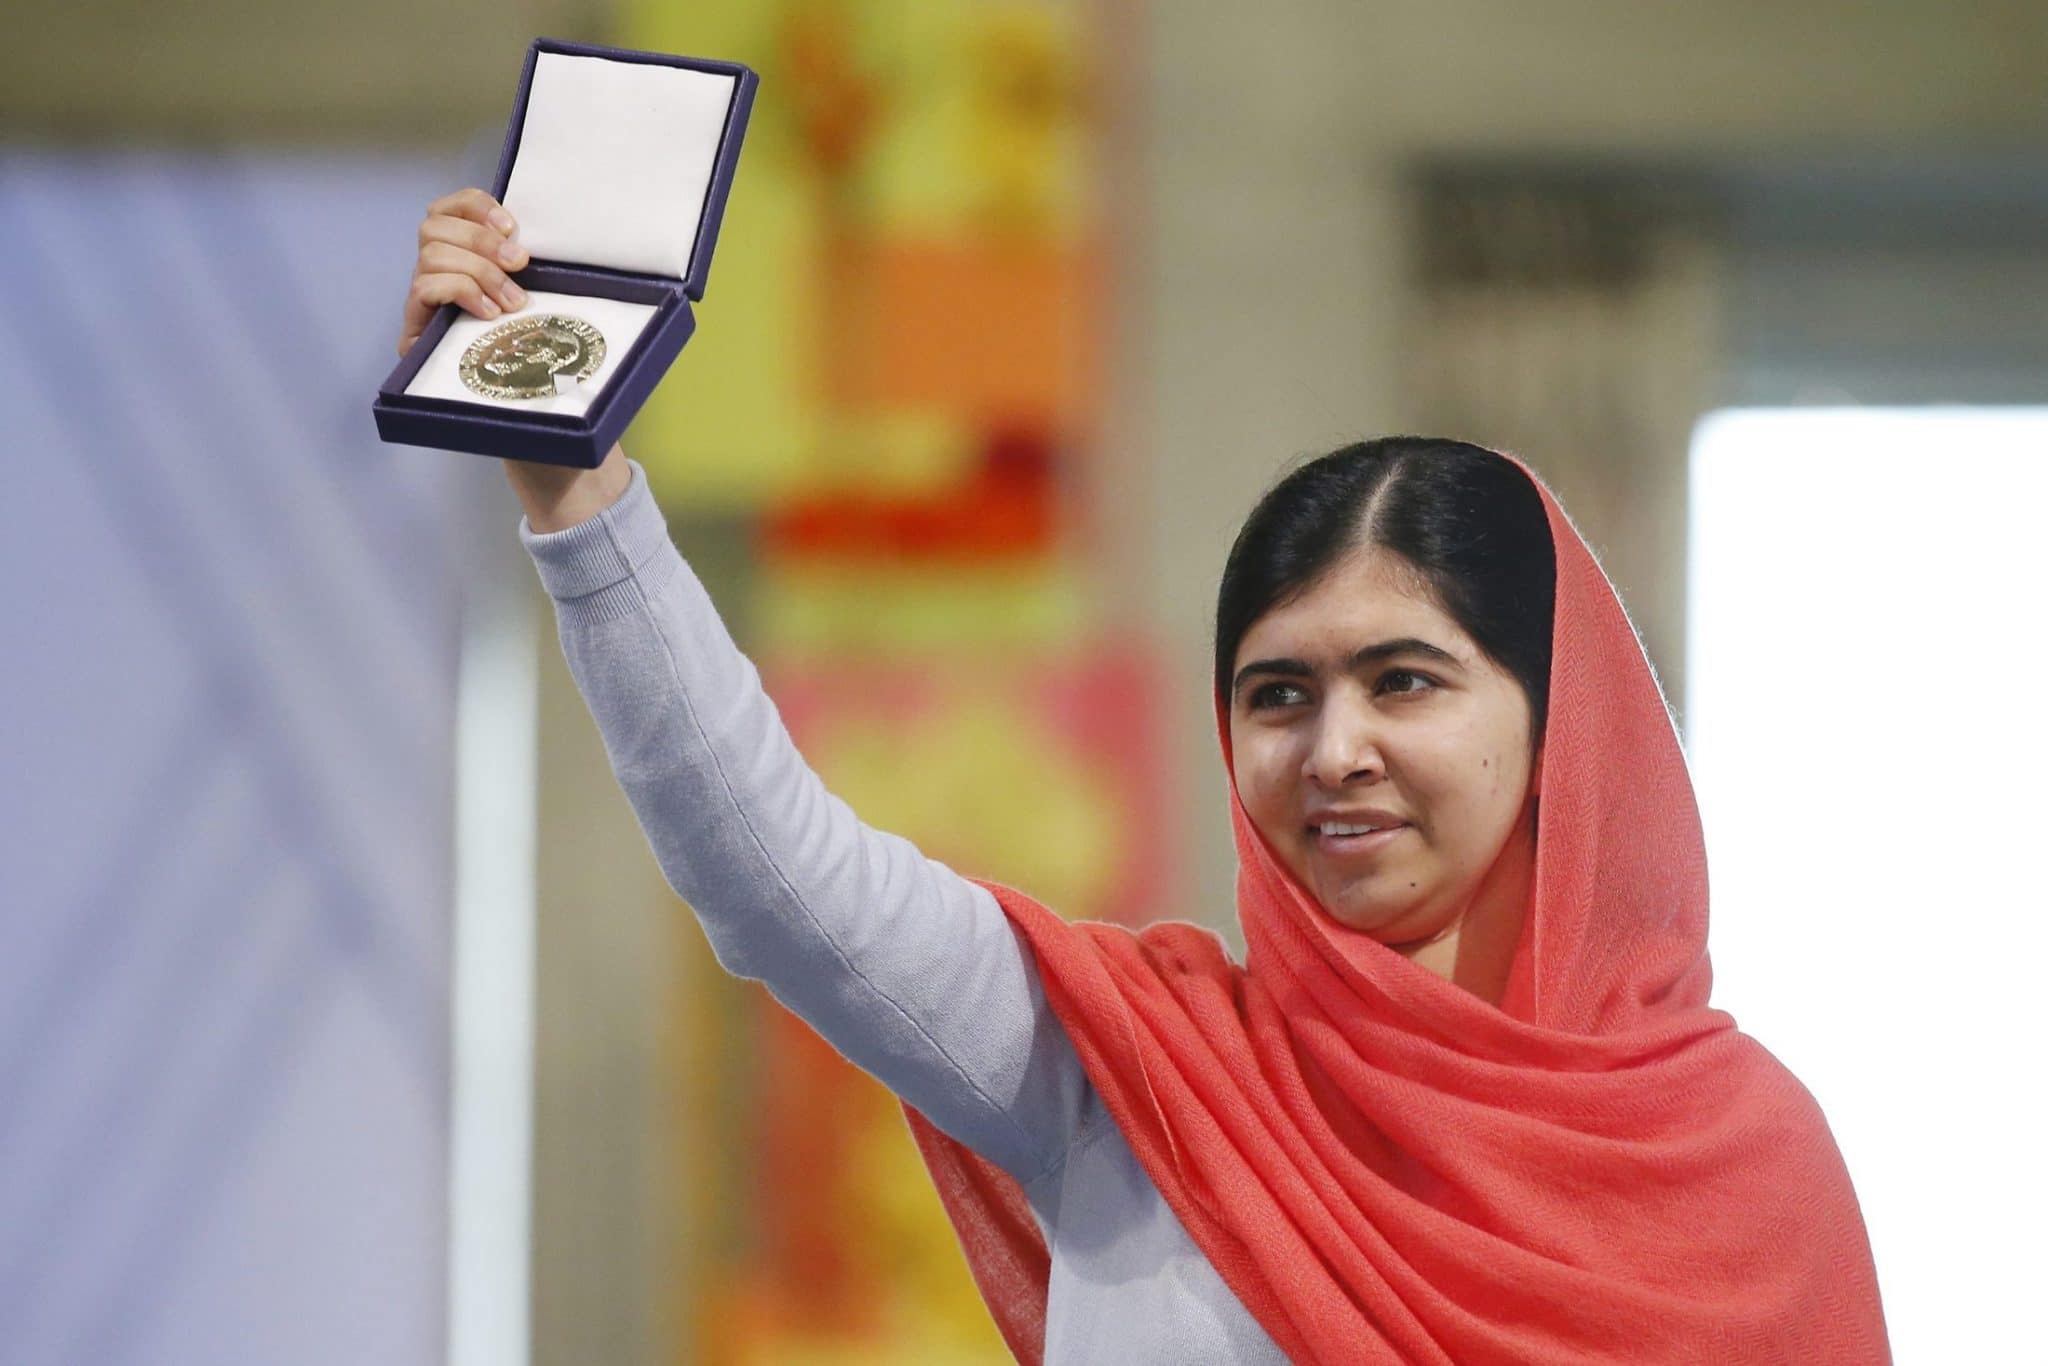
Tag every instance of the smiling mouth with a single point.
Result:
(1355, 845)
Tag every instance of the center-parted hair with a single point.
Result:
(1467, 519)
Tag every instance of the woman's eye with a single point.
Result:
(1424, 679)
(1273, 695)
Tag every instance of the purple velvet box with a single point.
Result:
(628, 158)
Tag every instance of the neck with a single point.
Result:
(1477, 951)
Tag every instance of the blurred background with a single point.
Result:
(344, 1013)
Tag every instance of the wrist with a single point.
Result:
(555, 497)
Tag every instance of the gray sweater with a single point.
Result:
(911, 971)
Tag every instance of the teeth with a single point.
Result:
(1332, 828)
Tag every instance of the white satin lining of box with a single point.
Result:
(614, 162)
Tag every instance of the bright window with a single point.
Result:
(1866, 721)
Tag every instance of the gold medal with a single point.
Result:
(519, 358)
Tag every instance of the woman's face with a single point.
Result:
(1360, 702)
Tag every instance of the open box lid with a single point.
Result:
(622, 160)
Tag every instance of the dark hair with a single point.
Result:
(1469, 521)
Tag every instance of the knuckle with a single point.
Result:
(455, 202)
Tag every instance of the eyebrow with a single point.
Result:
(1371, 654)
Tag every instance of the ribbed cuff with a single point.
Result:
(609, 548)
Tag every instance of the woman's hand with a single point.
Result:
(467, 244)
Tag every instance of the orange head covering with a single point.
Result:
(1386, 1168)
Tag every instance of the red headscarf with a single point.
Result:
(1385, 1168)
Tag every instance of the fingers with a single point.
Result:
(475, 205)
(431, 290)
(488, 243)
(466, 250)
(444, 258)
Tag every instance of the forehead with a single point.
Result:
(1369, 594)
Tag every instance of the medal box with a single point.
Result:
(616, 169)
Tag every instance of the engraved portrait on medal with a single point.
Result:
(519, 358)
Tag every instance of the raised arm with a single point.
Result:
(908, 969)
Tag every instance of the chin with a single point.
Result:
(1365, 915)
(1389, 909)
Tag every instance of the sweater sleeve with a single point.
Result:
(908, 969)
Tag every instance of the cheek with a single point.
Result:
(1263, 773)
(1480, 788)
(1460, 781)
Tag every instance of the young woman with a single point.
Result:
(1465, 1100)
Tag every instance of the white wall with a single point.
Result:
(1866, 737)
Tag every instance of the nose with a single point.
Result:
(1345, 747)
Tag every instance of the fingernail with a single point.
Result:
(511, 253)
(491, 309)
(502, 221)
(515, 296)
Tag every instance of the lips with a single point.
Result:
(1363, 846)
(1376, 818)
